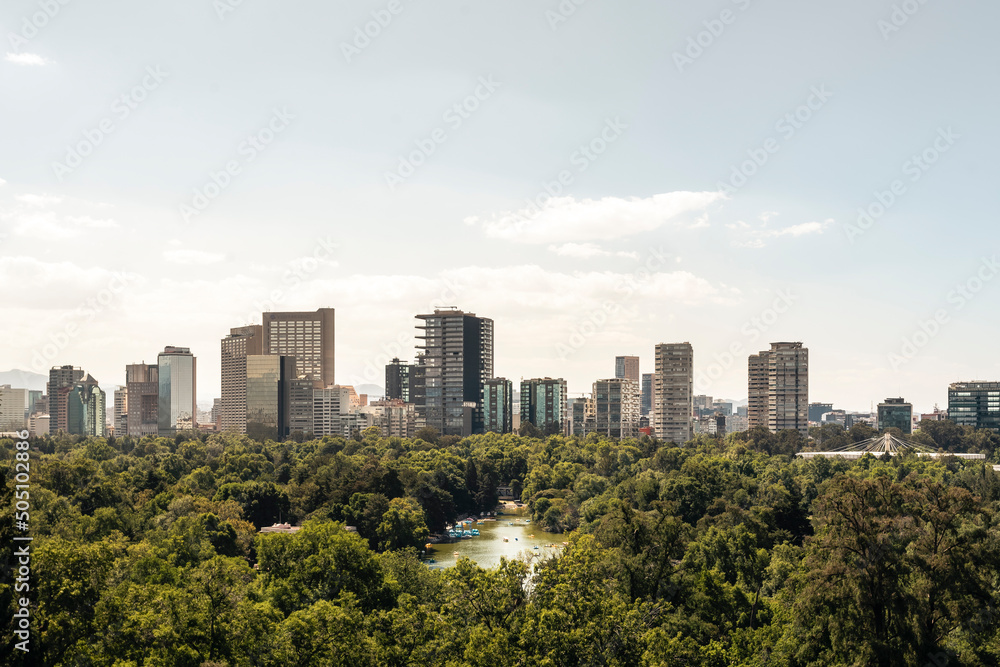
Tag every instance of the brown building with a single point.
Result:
(673, 392)
(778, 388)
(62, 380)
(309, 337)
(142, 389)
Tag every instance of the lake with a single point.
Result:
(487, 549)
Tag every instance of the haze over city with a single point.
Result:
(169, 173)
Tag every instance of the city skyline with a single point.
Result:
(594, 202)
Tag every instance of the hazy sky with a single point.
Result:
(170, 169)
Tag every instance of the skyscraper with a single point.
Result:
(397, 380)
(627, 367)
(543, 403)
(236, 347)
(975, 404)
(13, 407)
(309, 337)
(177, 405)
(778, 384)
(268, 384)
(615, 408)
(62, 379)
(498, 405)
(457, 358)
(142, 386)
(817, 410)
(673, 392)
(895, 413)
(86, 408)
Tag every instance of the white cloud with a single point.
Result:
(201, 257)
(2, 182)
(91, 223)
(38, 200)
(563, 219)
(587, 250)
(756, 236)
(26, 59)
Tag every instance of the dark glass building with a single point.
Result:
(895, 413)
(397, 381)
(975, 404)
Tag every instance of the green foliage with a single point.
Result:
(721, 552)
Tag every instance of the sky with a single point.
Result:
(597, 177)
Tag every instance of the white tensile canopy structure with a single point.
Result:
(884, 444)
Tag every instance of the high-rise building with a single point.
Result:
(627, 367)
(62, 379)
(895, 413)
(236, 347)
(177, 405)
(647, 394)
(300, 406)
(309, 337)
(582, 412)
(544, 404)
(33, 396)
(975, 404)
(498, 405)
(447, 383)
(268, 378)
(615, 406)
(142, 386)
(121, 412)
(673, 392)
(216, 413)
(779, 388)
(86, 408)
(817, 410)
(397, 380)
(13, 407)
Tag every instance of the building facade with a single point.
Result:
(142, 389)
(236, 347)
(647, 394)
(778, 386)
(817, 410)
(62, 379)
(307, 336)
(975, 404)
(615, 408)
(498, 405)
(120, 421)
(13, 408)
(394, 417)
(455, 362)
(268, 379)
(544, 404)
(86, 408)
(627, 367)
(895, 413)
(673, 392)
(177, 396)
(397, 381)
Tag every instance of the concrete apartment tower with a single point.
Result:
(62, 379)
(673, 392)
(447, 382)
(142, 388)
(778, 385)
(614, 408)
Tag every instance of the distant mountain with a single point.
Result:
(24, 380)
(373, 390)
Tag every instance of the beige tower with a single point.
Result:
(673, 392)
